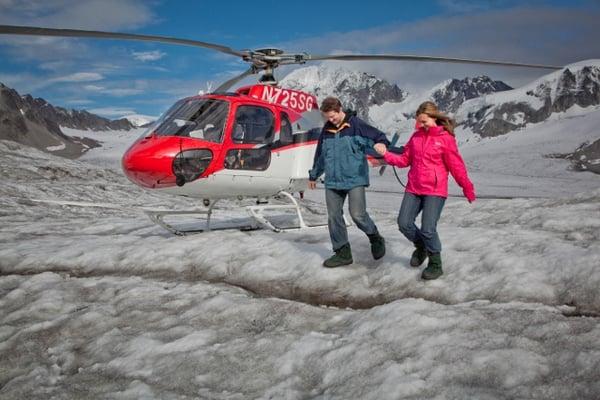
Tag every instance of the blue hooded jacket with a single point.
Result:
(341, 153)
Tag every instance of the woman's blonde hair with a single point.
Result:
(432, 111)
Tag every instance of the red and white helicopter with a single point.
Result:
(258, 141)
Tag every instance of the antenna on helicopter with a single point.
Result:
(209, 86)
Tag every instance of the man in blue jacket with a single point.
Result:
(341, 156)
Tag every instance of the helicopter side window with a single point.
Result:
(285, 131)
(249, 159)
(309, 120)
(253, 124)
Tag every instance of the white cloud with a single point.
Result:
(148, 55)
(121, 92)
(79, 14)
(540, 35)
(79, 77)
(109, 15)
(79, 101)
(55, 66)
(139, 86)
(93, 88)
(112, 111)
(465, 6)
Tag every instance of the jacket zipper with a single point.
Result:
(337, 161)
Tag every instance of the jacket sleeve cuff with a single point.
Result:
(397, 150)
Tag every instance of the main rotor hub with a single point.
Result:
(270, 52)
(270, 58)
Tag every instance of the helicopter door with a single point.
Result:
(249, 160)
(283, 158)
(252, 125)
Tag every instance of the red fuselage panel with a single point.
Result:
(149, 161)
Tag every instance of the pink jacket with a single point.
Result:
(431, 154)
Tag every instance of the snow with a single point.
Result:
(58, 147)
(114, 143)
(98, 302)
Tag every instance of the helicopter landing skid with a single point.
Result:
(255, 212)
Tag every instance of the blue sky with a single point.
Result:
(113, 78)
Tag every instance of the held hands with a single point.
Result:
(380, 148)
(312, 184)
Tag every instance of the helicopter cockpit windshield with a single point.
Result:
(198, 118)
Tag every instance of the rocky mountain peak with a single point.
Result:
(356, 90)
(452, 93)
(35, 122)
(576, 85)
(569, 87)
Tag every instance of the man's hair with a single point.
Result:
(331, 104)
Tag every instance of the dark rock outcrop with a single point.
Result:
(585, 158)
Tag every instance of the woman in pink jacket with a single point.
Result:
(431, 153)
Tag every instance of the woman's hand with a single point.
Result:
(380, 148)
(469, 194)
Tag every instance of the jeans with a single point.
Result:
(431, 206)
(358, 211)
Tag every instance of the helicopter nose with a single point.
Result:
(164, 162)
(146, 165)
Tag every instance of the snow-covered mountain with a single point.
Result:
(25, 120)
(448, 95)
(385, 105)
(58, 116)
(35, 122)
(139, 120)
(357, 90)
(482, 106)
(577, 85)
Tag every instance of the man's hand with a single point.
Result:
(312, 184)
(380, 148)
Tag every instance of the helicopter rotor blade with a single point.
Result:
(37, 31)
(227, 84)
(403, 57)
(265, 59)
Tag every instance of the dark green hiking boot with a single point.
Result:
(377, 245)
(342, 256)
(419, 255)
(434, 267)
